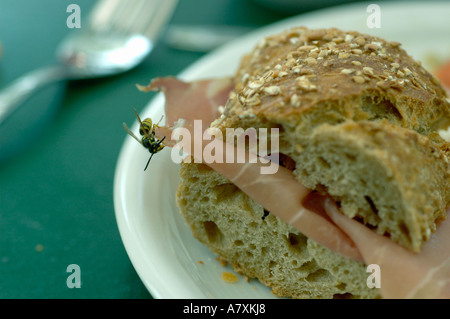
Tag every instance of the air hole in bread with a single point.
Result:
(294, 239)
(297, 241)
(343, 296)
(238, 243)
(287, 161)
(309, 266)
(215, 236)
(318, 275)
(341, 286)
(372, 205)
(405, 231)
(224, 191)
(380, 109)
(323, 162)
(350, 157)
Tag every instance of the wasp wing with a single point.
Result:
(131, 133)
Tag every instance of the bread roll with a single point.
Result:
(359, 118)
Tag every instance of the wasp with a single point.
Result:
(148, 131)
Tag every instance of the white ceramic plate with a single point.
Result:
(157, 240)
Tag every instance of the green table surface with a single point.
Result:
(59, 152)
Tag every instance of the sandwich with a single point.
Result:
(358, 124)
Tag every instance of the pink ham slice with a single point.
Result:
(404, 274)
(191, 101)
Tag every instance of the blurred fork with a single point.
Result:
(118, 36)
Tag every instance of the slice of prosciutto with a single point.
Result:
(403, 273)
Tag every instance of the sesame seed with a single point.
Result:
(343, 55)
(358, 79)
(255, 84)
(382, 84)
(311, 61)
(371, 47)
(305, 71)
(290, 62)
(268, 76)
(357, 51)
(378, 44)
(306, 47)
(367, 70)
(400, 73)
(245, 77)
(324, 53)
(313, 54)
(254, 100)
(395, 65)
(305, 84)
(249, 92)
(293, 40)
(360, 41)
(356, 63)
(348, 38)
(347, 71)
(295, 101)
(407, 71)
(316, 35)
(272, 90)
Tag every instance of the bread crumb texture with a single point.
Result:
(359, 118)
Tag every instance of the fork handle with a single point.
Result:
(14, 95)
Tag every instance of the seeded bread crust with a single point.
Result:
(359, 118)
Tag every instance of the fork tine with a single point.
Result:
(128, 14)
(101, 14)
(147, 12)
(152, 27)
(143, 17)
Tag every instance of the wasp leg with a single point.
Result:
(149, 161)
(157, 145)
(161, 142)
(156, 125)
